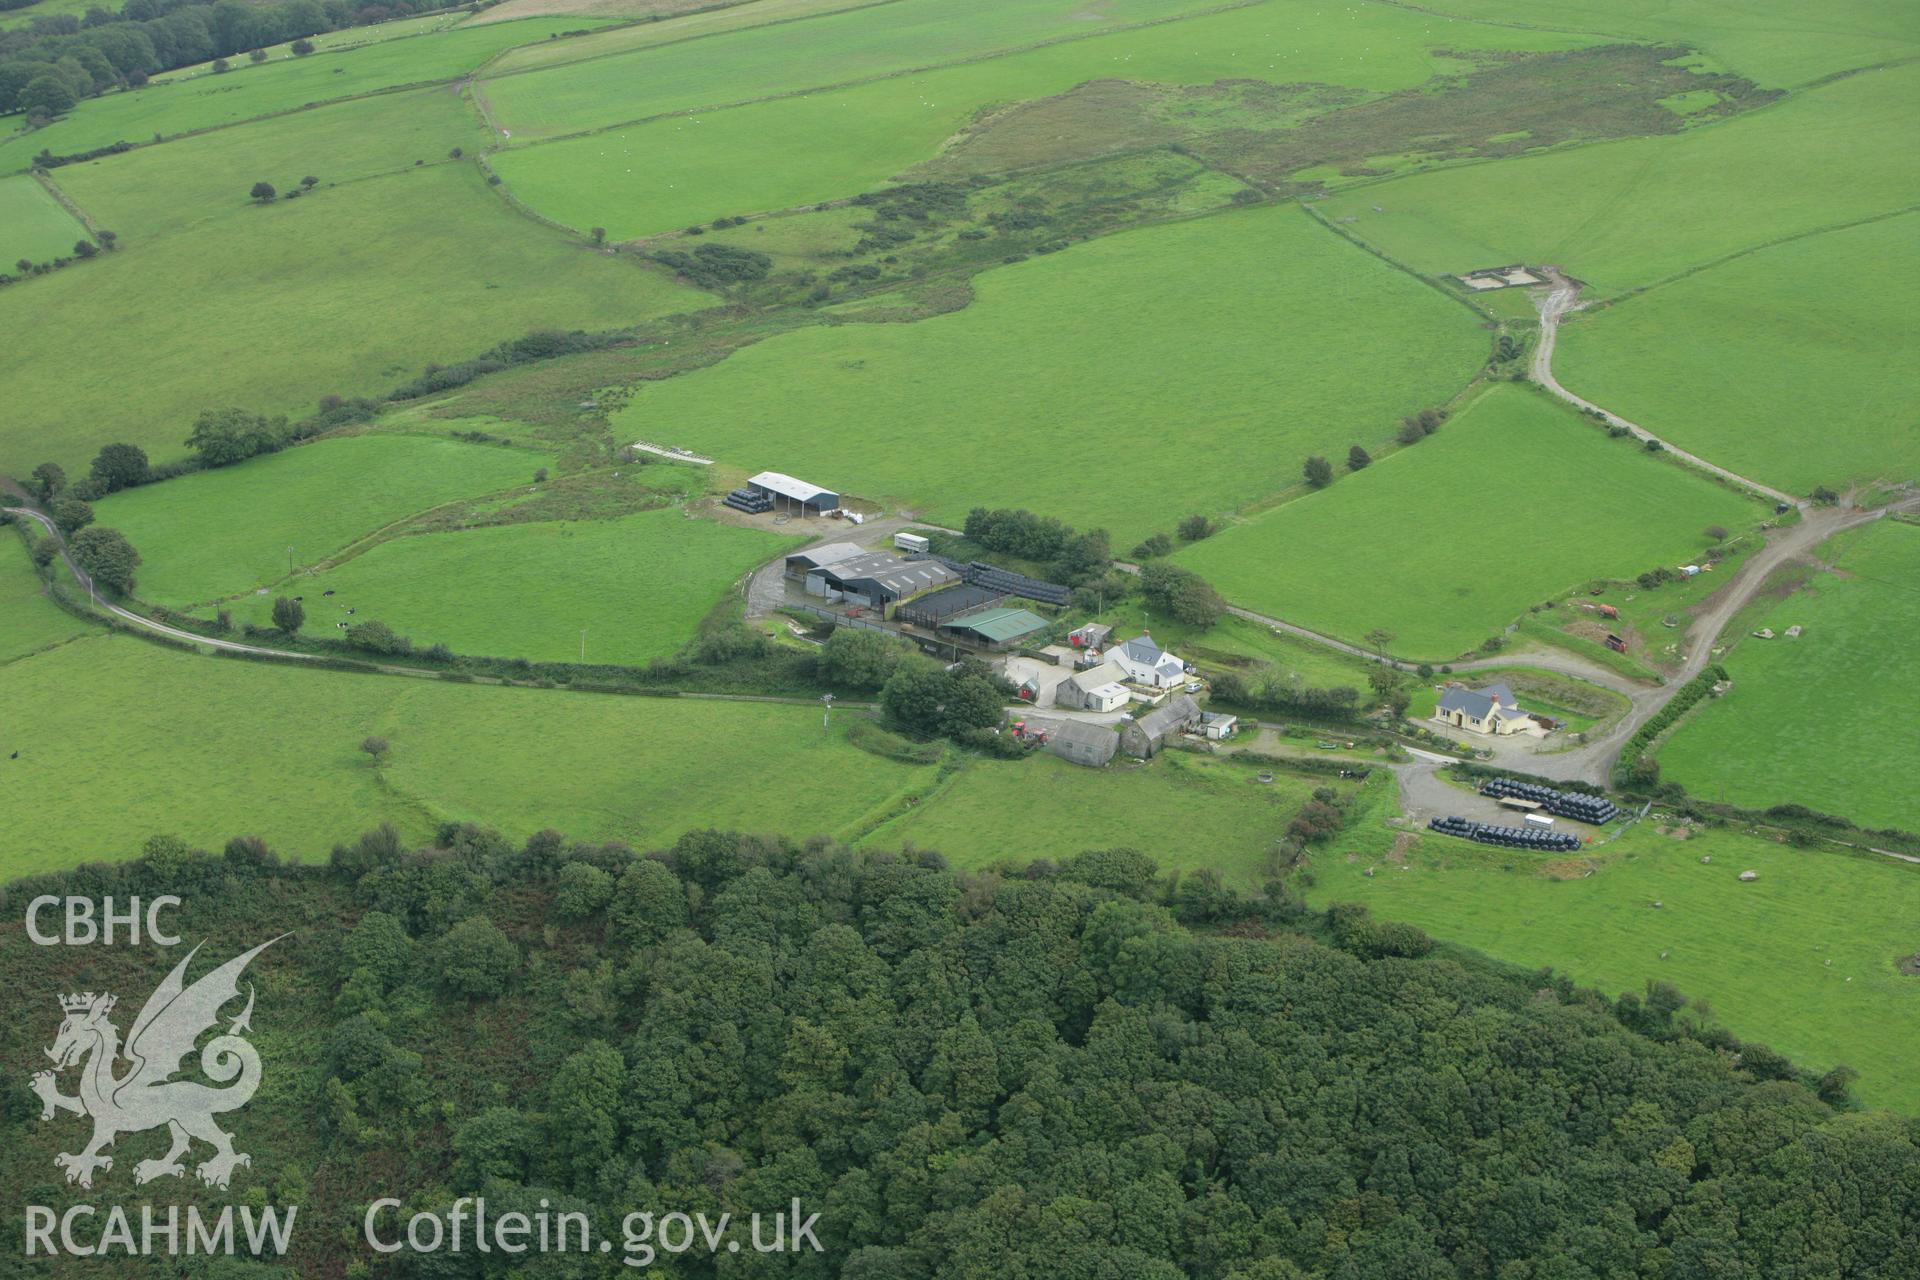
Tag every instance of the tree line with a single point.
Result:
(1074, 1067)
(54, 62)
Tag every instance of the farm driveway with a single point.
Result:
(1556, 303)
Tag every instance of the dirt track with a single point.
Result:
(1553, 306)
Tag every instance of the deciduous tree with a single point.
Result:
(289, 614)
(119, 466)
(71, 514)
(107, 557)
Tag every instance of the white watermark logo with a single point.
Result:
(145, 1095)
(468, 1226)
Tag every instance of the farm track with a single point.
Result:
(1554, 305)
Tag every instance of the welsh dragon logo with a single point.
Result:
(146, 1096)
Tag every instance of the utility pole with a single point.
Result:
(289, 562)
(583, 644)
(826, 701)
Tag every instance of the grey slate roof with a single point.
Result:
(1461, 698)
(1178, 711)
(1482, 702)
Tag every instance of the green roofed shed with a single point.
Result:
(997, 628)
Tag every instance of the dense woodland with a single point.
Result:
(52, 62)
(1077, 1070)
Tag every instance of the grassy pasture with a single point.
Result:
(1184, 812)
(638, 586)
(822, 146)
(1203, 359)
(333, 41)
(157, 190)
(1776, 42)
(28, 620)
(627, 10)
(762, 62)
(709, 20)
(1826, 719)
(44, 9)
(119, 738)
(1813, 365)
(1802, 959)
(346, 291)
(249, 91)
(217, 533)
(1625, 214)
(1446, 542)
(33, 225)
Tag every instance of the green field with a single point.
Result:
(33, 225)
(119, 739)
(186, 184)
(1445, 543)
(1185, 812)
(1123, 383)
(1826, 719)
(217, 533)
(332, 41)
(45, 9)
(1777, 42)
(1757, 953)
(1624, 214)
(766, 61)
(1814, 365)
(638, 586)
(28, 620)
(709, 20)
(347, 291)
(822, 146)
(248, 92)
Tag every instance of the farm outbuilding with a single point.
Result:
(1095, 689)
(876, 580)
(1083, 742)
(949, 602)
(792, 494)
(1145, 736)
(802, 563)
(1091, 636)
(995, 628)
(1218, 725)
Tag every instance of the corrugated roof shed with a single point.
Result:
(826, 553)
(896, 576)
(999, 625)
(788, 487)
